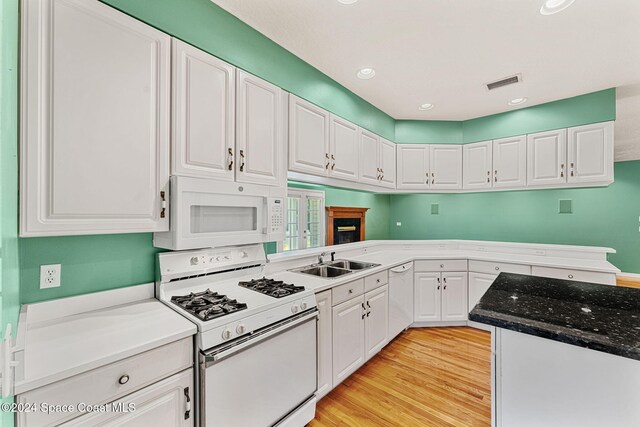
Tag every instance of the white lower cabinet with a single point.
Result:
(348, 338)
(360, 328)
(325, 344)
(479, 283)
(168, 402)
(440, 297)
(376, 320)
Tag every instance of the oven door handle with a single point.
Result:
(222, 353)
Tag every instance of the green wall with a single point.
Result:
(580, 110)
(212, 29)
(607, 216)
(428, 132)
(9, 265)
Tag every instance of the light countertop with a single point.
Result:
(54, 348)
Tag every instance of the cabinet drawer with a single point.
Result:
(376, 280)
(102, 385)
(442, 265)
(498, 267)
(347, 291)
(578, 275)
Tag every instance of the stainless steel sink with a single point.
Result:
(352, 265)
(323, 271)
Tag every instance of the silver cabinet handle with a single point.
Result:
(242, 160)
(230, 152)
(350, 291)
(326, 155)
(333, 164)
(123, 379)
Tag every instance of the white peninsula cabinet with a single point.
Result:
(95, 93)
(360, 323)
(440, 293)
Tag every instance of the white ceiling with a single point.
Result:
(443, 51)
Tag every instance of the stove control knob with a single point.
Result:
(241, 329)
(294, 309)
(303, 305)
(226, 334)
(194, 260)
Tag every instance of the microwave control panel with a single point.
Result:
(276, 215)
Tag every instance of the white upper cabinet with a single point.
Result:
(308, 137)
(477, 160)
(446, 167)
(510, 162)
(95, 120)
(413, 166)
(343, 149)
(547, 158)
(387, 163)
(369, 157)
(203, 114)
(260, 131)
(590, 153)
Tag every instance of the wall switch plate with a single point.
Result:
(565, 206)
(50, 276)
(435, 209)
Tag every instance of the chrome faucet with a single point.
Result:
(324, 254)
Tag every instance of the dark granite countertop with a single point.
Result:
(599, 317)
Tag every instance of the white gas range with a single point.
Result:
(256, 337)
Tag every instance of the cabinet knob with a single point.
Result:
(123, 379)
(441, 265)
(571, 276)
(497, 268)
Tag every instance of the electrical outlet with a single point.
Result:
(50, 276)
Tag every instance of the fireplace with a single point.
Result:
(345, 225)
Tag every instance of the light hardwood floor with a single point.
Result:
(424, 377)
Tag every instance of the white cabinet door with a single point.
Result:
(446, 167)
(547, 157)
(477, 161)
(344, 149)
(369, 167)
(95, 120)
(203, 105)
(427, 297)
(590, 153)
(413, 166)
(325, 352)
(348, 338)
(377, 320)
(260, 132)
(168, 402)
(454, 296)
(308, 137)
(479, 283)
(387, 163)
(510, 162)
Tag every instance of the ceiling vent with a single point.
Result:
(505, 82)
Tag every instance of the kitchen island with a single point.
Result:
(566, 353)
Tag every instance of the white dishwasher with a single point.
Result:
(400, 298)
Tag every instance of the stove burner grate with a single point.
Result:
(271, 287)
(208, 305)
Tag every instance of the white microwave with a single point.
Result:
(206, 213)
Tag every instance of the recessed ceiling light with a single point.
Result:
(554, 6)
(517, 101)
(347, 1)
(366, 73)
(425, 107)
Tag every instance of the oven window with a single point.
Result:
(219, 219)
